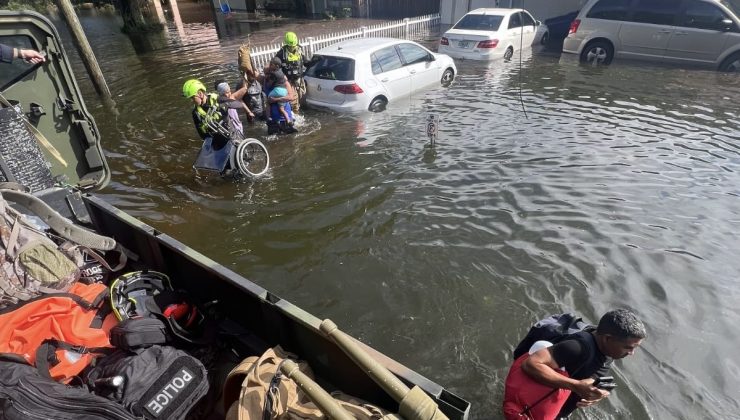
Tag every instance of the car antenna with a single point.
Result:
(521, 42)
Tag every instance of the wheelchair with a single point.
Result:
(228, 153)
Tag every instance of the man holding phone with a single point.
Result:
(585, 356)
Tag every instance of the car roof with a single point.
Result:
(357, 46)
(493, 11)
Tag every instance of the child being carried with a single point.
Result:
(279, 90)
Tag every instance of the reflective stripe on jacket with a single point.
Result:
(201, 116)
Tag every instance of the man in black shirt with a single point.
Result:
(586, 356)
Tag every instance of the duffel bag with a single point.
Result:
(25, 394)
(256, 389)
(159, 382)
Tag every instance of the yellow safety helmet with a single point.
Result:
(192, 87)
(291, 39)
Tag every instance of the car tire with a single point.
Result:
(731, 64)
(508, 54)
(545, 38)
(447, 77)
(378, 104)
(597, 53)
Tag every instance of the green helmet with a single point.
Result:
(191, 88)
(291, 39)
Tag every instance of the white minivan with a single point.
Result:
(368, 73)
(697, 32)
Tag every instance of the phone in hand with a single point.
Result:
(605, 382)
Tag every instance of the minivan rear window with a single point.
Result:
(609, 9)
(479, 22)
(332, 68)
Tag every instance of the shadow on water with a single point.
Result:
(619, 187)
(148, 42)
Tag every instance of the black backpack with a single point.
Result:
(158, 382)
(554, 328)
(25, 394)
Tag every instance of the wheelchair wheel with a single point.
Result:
(250, 157)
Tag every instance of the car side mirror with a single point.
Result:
(537, 23)
(726, 25)
(430, 58)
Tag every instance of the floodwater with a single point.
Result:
(552, 187)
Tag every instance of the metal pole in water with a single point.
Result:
(83, 47)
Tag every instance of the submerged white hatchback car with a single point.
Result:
(486, 34)
(368, 73)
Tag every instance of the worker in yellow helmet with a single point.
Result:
(210, 117)
(293, 66)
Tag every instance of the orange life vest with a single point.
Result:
(524, 398)
(59, 333)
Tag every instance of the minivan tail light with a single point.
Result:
(574, 26)
(354, 88)
(444, 41)
(489, 43)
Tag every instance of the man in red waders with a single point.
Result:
(551, 381)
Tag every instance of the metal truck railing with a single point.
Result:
(407, 28)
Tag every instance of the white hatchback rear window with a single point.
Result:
(332, 68)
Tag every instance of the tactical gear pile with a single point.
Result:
(77, 350)
(64, 340)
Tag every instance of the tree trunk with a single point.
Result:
(139, 16)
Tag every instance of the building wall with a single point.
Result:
(452, 10)
(397, 9)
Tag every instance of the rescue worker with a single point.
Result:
(293, 66)
(551, 381)
(207, 112)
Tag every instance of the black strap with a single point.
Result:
(79, 300)
(46, 356)
(270, 395)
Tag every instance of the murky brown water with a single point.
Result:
(619, 187)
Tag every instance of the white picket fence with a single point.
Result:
(407, 28)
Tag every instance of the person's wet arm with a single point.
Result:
(239, 93)
(542, 367)
(291, 92)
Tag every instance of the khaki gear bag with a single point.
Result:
(31, 264)
(245, 59)
(255, 389)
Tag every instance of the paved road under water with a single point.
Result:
(617, 187)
